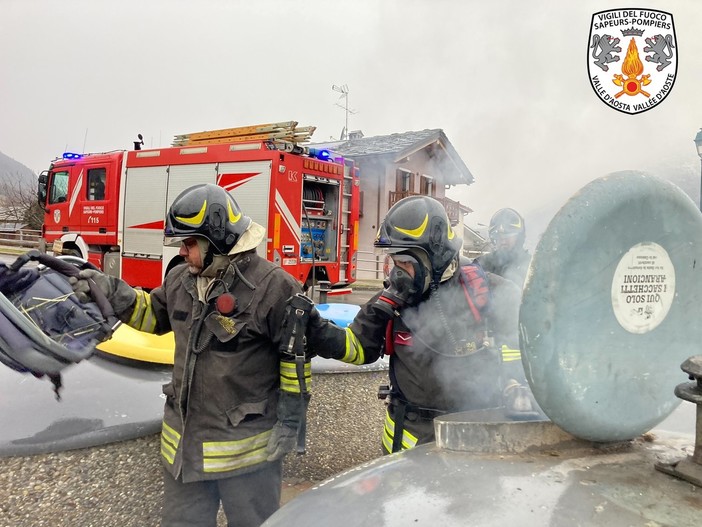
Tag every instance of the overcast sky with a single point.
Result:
(506, 80)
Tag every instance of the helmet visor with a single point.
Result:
(174, 241)
(383, 251)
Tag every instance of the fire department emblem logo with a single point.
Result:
(632, 58)
(57, 215)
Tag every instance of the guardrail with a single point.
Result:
(369, 262)
(25, 238)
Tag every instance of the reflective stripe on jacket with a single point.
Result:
(227, 372)
(409, 440)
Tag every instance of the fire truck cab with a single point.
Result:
(109, 208)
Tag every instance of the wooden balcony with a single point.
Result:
(452, 207)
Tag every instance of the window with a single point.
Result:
(426, 186)
(96, 184)
(404, 181)
(59, 187)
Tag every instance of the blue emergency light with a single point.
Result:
(71, 155)
(320, 153)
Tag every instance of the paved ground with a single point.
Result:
(119, 484)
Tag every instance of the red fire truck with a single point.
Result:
(109, 208)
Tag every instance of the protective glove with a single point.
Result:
(315, 322)
(81, 286)
(118, 293)
(291, 411)
(519, 402)
(398, 292)
(324, 338)
(282, 441)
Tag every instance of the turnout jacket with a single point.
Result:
(227, 372)
(512, 266)
(445, 356)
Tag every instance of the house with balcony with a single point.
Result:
(474, 243)
(393, 167)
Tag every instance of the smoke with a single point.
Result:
(453, 363)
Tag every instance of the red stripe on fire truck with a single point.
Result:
(230, 181)
(287, 216)
(74, 194)
(155, 225)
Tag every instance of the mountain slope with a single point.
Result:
(12, 171)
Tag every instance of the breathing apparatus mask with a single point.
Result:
(399, 278)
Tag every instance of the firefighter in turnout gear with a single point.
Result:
(508, 258)
(236, 402)
(441, 319)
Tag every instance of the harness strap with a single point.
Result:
(389, 338)
(292, 343)
(402, 409)
(475, 289)
(399, 414)
(424, 413)
(471, 305)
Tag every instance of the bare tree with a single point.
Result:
(18, 203)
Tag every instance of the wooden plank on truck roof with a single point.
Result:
(237, 131)
(243, 139)
(240, 130)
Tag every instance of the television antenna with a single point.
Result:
(344, 91)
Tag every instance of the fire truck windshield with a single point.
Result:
(59, 187)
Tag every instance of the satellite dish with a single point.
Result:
(611, 306)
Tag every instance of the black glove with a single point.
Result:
(324, 338)
(315, 322)
(283, 440)
(81, 287)
(119, 294)
(399, 292)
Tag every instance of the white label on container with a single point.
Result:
(643, 287)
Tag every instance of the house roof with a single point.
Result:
(473, 234)
(401, 145)
(473, 240)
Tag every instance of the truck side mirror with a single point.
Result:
(41, 191)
